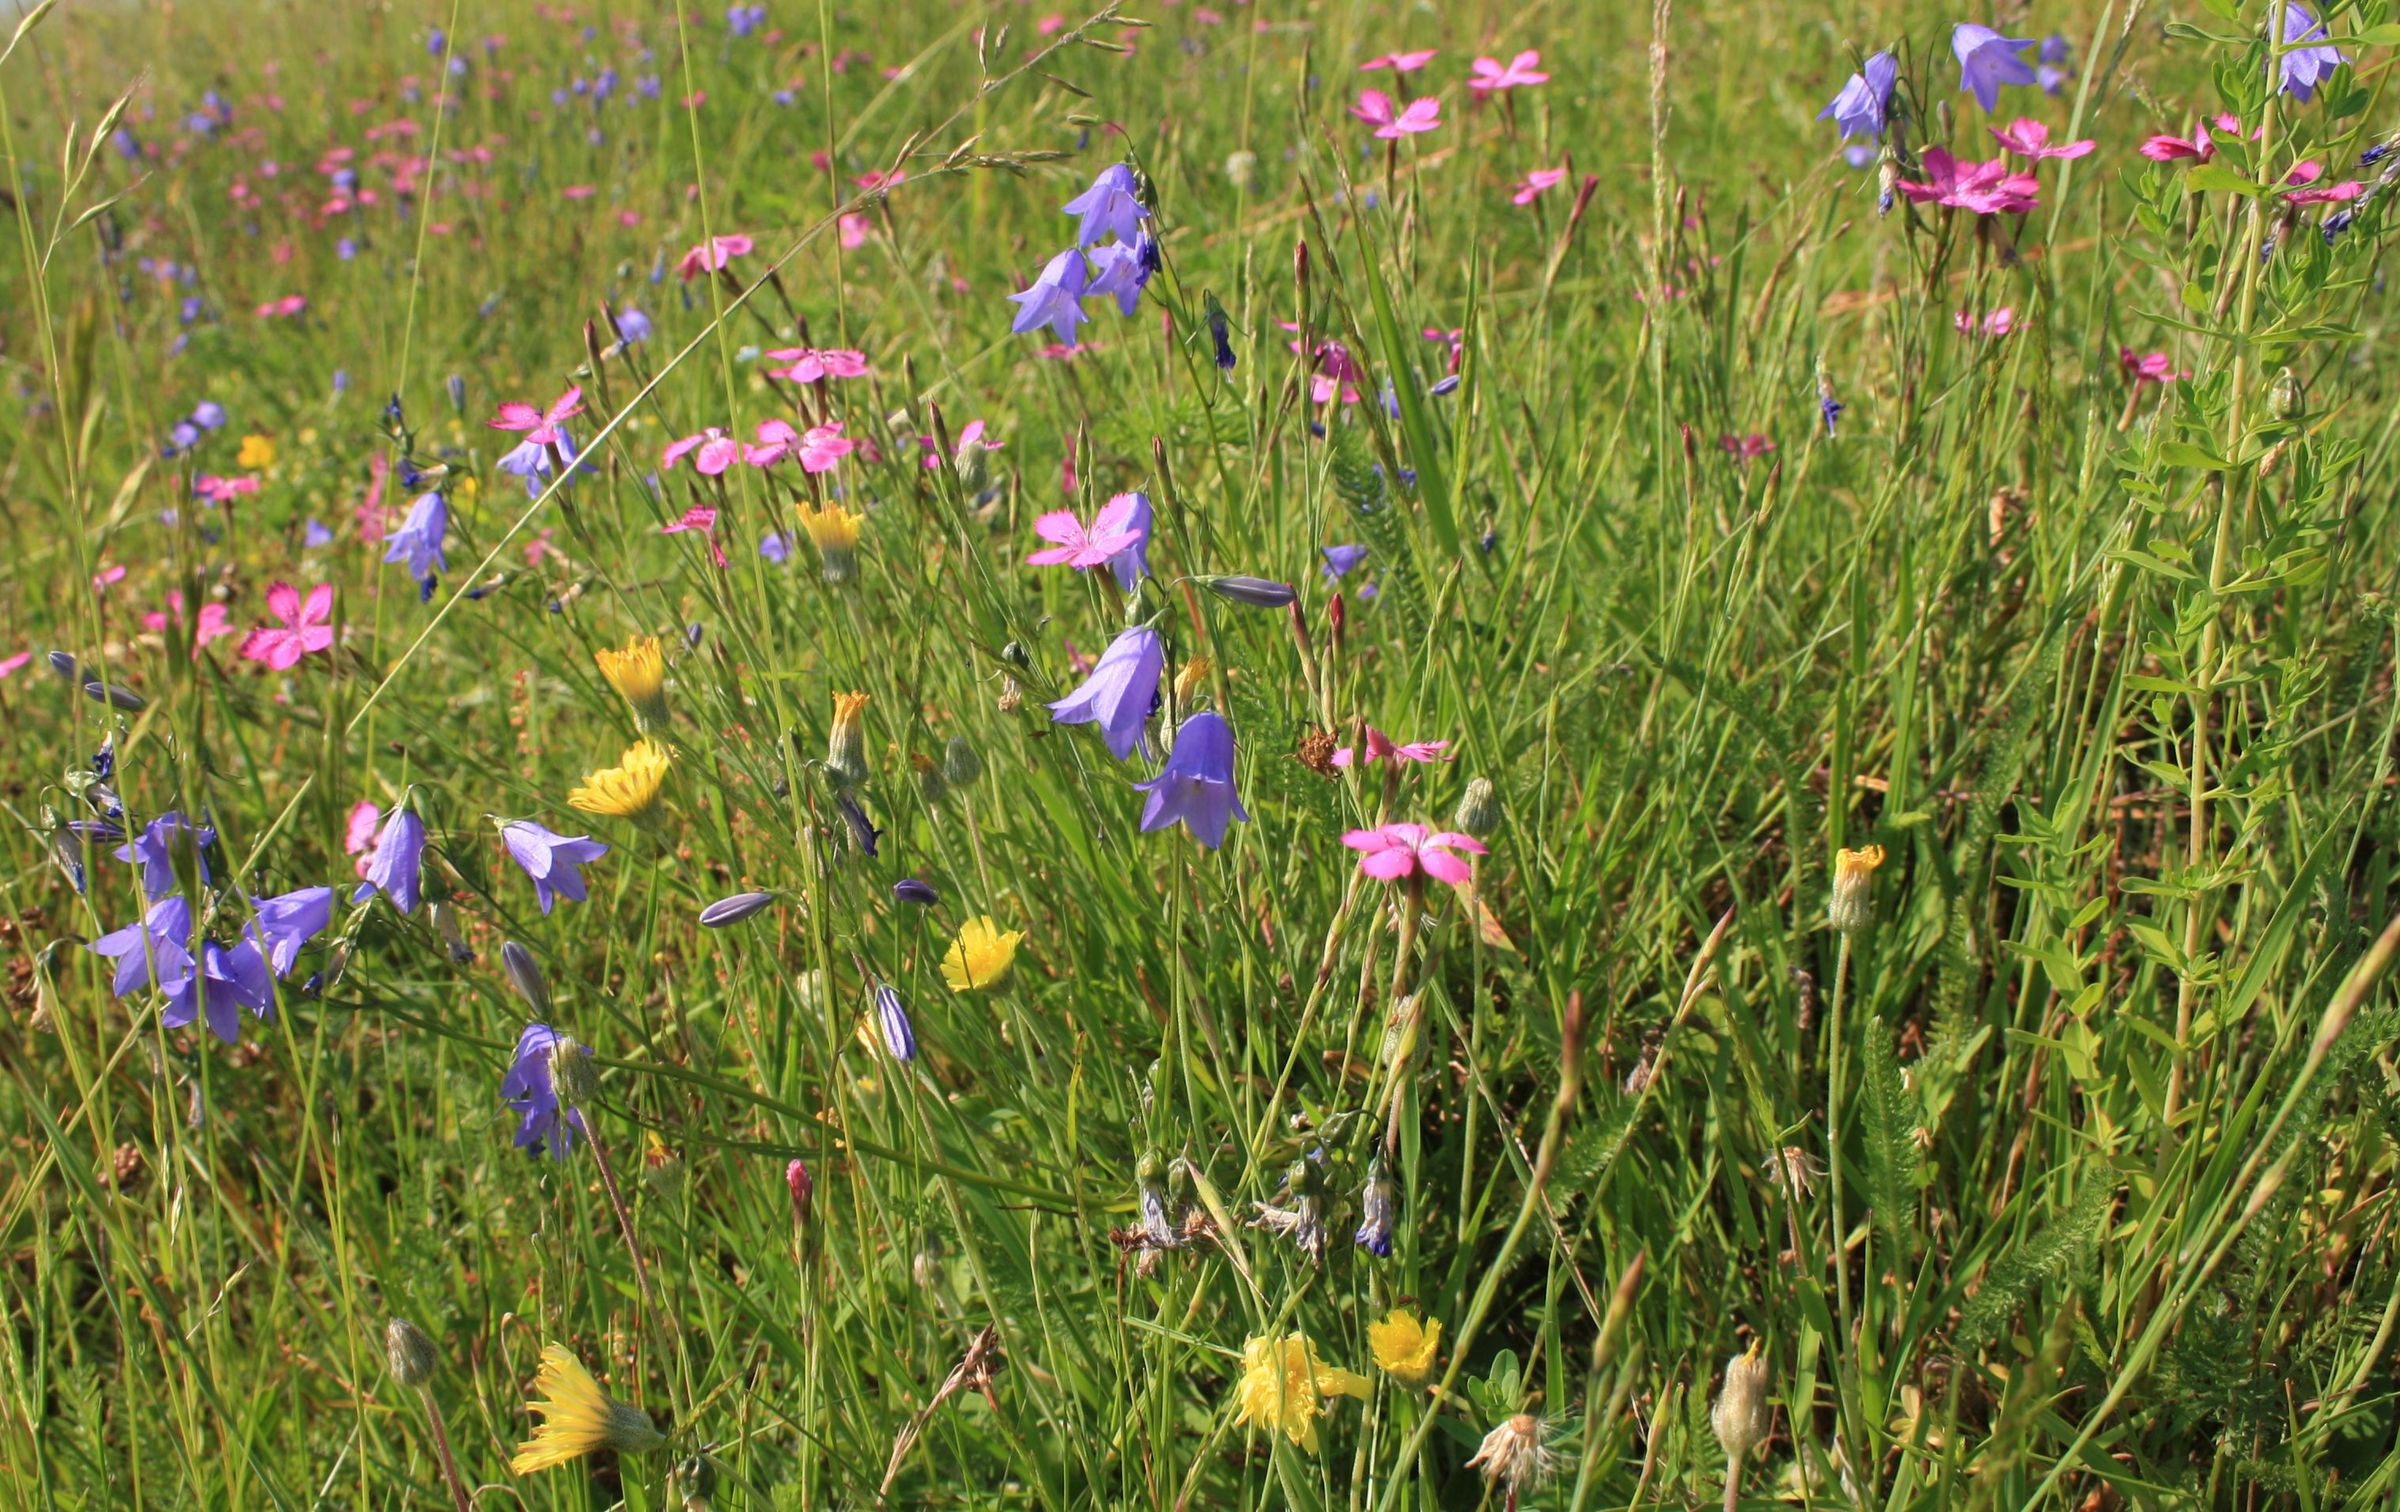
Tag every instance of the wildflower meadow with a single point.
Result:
(1270, 754)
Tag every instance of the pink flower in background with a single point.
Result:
(1375, 108)
(815, 365)
(2198, 147)
(1380, 746)
(289, 304)
(1999, 323)
(818, 449)
(1399, 62)
(717, 450)
(703, 518)
(10, 664)
(1523, 69)
(540, 547)
(1112, 530)
(1534, 182)
(218, 490)
(358, 837)
(1748, 448)
(1985, 188)
(106, 576)
(540, 426)
(854, 228)
(2156, 367)
(1393, 851)
(2030, 140)
(973, 434)
(212, 617)
(711, 255)
(2319, 194)
(306, 628)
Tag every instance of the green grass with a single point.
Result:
(2095, 1115)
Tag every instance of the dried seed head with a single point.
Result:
(1514, 1457)
(1741, 1415)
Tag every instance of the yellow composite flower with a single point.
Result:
(834, 530)
(980, 956)
(257, 454)
(846, 745)
(578, 1417)
(1853, 885)
(639, 672)
(1284, 1386)
(628, 790)
(1404, 1348)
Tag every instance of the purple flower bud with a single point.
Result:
(910, 890)
(735, 909)
(1257, 592)
(891, 1015)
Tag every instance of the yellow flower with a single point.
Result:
(846, 747)
(628, 790)
(1188, 680)
(980, 956)
(1404, 1348)
(1284, 1385)
(639, 672)
(835, 532)
(578, 1417)
(257, 454)
(1853, 884)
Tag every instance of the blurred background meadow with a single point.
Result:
(1882, 622)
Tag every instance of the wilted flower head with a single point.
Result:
(846, 743)
(1853, 884)
(1741, 1416)
(1514, 1456)
(1285, 1384)
(578, 1417)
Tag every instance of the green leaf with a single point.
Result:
(2216, 176)
(2185, 454)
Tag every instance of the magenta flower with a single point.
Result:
(2319, 194)
(1400, 62)
(358, 836)
(541, 427)
(703, 518)
(816, 364)
(1999, 323)
(218, 490)
(1395, 851)
(1113, 531)
(1535, 181)
(1523, 69)
(2030, 140)
(1375, 108)
(1984, 188)
(306, 628)
(818, 448)
(2168, 149)
(212, 619)
(2156, 367)
(1380, 746)
(711, 255)
(717, 450)
(973, 435)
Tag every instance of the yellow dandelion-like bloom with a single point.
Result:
(835, 532)
(639, 672)
(1284, 1386)
(578, 1417)
(1853, 886)
(1404, 1348)
(846, 746)
(257, 454)
(980, 956)
(628, 790)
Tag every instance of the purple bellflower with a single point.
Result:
(1197, 785)
(1117, 273)
(1863, 106)
(154, 848)
(2310, 60)
(1118, 695)
(394, 869)
(1987, 60)
(891, 1015)
(1109, 207)
(160, 940)
(544, 1123)
(1056, 298)
(1341, 561)
(224, 981)
(418, 541)
(550, 859)
(290, 921)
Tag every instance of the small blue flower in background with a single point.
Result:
(1863, 106)
(1340, 561)
(418, 542)
(632, 326)
(1987, 60)
(910, 890)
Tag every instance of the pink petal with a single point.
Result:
(516, 417)
(1389, 865)
(320, 604)
(283, 601)
(1444, 867)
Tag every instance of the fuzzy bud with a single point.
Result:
(960, 765)
(1741, 1415)
(1478, 811)
(572, 1076)
(2286, 399)
(409, 1353)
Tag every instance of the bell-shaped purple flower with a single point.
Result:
(2310, 59)
(1109, 208)
(290, 921)
(1862, 108)
(1118, 695)
(1118, 273)
(1197, 786)
(1056, 298)
(1340, 561)
(544, 1123)
(154, 848)
(550, 859)
(891, 1016)
(418, 541)
(1127, 511)
(156, 945)
(1987, 60)
(219, 985)
(394, 869)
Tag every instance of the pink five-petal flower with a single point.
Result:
(1395, 851)
(2153, 367)
(823, 446)
(2315, 194)
(1380, 746)
(1985, 188)
(1075, 545)
(306, 628)
(1399, 62)
(1376, 109)
(717, 450)
(703, 518)
(2167, 149)
(2030, 140)
(1535, 181)
(540, 426)
(1522, 69)
(814, 365)
(711, 255)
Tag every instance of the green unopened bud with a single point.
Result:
(973, 465)
(695, 1483)
(1478, 811)
(2286, 399)
(572, 1076)
(960, 765)
(409, 1353)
